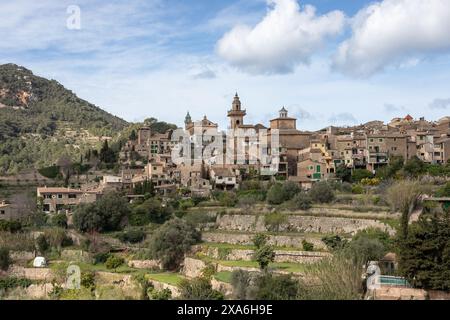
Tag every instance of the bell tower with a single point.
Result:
(236, 114)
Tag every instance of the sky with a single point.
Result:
(328, 62)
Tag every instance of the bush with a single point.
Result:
(101, 257)
(302, 201)
(172, 240)
(113, 262)
(275, 287)
(5, 260)
(260, 239)
(198, 289)
(106, 214)
(357, 189)
(59, 220)
(360, 174)
(307, 246)
(12, 282)
(132, 236)
(186, 204)
(264, 255)
(242, 282)
(334, 242)
(42, 244)
(164, 294)
(88, 280)
(275, 194)
(321, 192)
(10, 226)
(227, 199)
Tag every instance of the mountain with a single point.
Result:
(41, 120)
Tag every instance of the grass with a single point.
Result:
(166, 277)
(224, 276)
(245, 246)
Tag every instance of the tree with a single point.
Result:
(241, 281)
(198, 289)
(133, 135)
(302, 201)
(290, 189)
(60, 220)
(275, 287)
(106, 214)
(275, 195)
(321, 192)
(344, 173)
(334, 242)
(425, 252)
(172, 240)
(264, 254)
(42, 244)
(414, 167)
(359, 174)
(404, 196)
(107, 155)
(364, 249)
(5, 260)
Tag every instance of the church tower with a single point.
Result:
(236, 114)
(187, 121)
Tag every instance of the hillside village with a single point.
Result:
(340, 203)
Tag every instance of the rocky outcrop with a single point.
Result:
(225, 288)
(44, 274)
(76, 255)
(162, 285)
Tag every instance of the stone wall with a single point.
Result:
(225, 288)
(162, 285)
(395, 293)
(297, 223)
(246, 239)
(144, 264)
(280, 255)
(45, 274)
(192, 268)
(17, 256)
(76, 255)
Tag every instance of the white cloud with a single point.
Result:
(286, 36)
(394, 32)
(440, 104)
(343, 118)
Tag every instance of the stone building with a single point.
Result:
(56, 200)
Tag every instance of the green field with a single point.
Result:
(166, 277)
(224, 276)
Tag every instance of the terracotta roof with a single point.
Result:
(58, 190)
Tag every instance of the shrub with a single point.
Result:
(275, 194)
(357, 189)
(113, 262)
(59, 220)
(101, 257)
(88, 280)
(12, 282)
(10, 226)
(164, 294)
(321, 192)
(264, 255)
(260, 239)
(269, 286)
(132, 236)
(5, 260)
(42, 244)
(227, 199)
(302, 201)
(360, 174)
(172, 240)
(198, 289)
(334, 242)
(186, 204)
(307, 246)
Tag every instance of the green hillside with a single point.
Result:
(40, 120)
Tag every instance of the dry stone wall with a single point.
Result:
(297, 223)
(275, 240)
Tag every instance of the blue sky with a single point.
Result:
(328, 62)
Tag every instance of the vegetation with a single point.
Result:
(264, 254)
(425, 252)
(5, 260)
(322, 192)
(198, 289)
(109, 213)
(171, 241)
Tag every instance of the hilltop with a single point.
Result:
(40, 120)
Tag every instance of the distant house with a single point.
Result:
(56, 200)
(7, 212)
(223, 178)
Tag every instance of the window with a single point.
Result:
(47, 196)
(381, 140)
(371, 140)
(60, 196)
(72, 196)
(2, 212)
